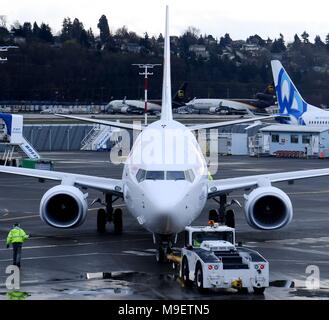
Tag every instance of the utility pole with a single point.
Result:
(146, 73)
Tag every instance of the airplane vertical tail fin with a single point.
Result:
(289, 99)
(180, 96)
(166, 109)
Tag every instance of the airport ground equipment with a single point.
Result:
(211, 259)
(11, 134)
(97, 138)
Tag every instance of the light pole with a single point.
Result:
(146, 73)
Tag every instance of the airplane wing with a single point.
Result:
(105, 122)
(102, 184)
(225, 186)
(227, 123)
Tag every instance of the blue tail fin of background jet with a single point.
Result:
(290, 101)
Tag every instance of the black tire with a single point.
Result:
(161, 255)
(117, 221)
(259, 291)
(101, 220)
(243, 291)
(199, 278)
(185, 274)
(213, 215)
(230, 218)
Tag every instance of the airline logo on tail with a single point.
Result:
(289, 99)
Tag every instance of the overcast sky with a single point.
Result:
(240, 18)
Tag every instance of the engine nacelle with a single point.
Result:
(268, 208)
(125, 109)
(214, 109)
(63, 207)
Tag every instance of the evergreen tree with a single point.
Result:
(66, 32)
(45, 33)
(305, 37)
(318, 42)
(225, 41)
(104, 29)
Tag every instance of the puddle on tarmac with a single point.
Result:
(322, 293)
(282, 284)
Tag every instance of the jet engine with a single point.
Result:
(214, 109)
(125, 109)
(268, 208)
(63, 207)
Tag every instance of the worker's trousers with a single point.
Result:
(17, 252)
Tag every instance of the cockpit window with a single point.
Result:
(155, 175)
(190, 176)
(140, 176)
(175, 175)
(165, 175)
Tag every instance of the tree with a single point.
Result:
(225, 41)
(104, 29)
(305, 37)
(278, 45)
(27, 30)
(45, 33)
(3, 21)
(66, 31)
(36, 30)
(318, 42)
(297, 41)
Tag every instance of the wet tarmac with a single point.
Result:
(81, 264)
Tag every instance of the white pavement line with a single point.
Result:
(79, 244)
(19, 218)
(304, 250)
(300, 240)
(300, 261)
(70, 256)
(139, 253)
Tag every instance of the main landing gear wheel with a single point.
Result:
(185, 274)
(199, 278)
(117, 221)
(230, 218)
(259, 291)
(101, 220)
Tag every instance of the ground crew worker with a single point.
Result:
(16, 237)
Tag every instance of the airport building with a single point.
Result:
(295, 141)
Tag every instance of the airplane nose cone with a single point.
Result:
(168, 209)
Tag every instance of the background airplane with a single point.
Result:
(165, 184)
(292, 107)
(259, 104)
(153, 106)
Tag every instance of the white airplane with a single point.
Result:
(138, 106)
(259, 104)
(292, 106)
(163, 194)
(132, 107)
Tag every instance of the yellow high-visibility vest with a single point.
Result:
(16, 235)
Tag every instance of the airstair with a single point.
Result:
(97, 138)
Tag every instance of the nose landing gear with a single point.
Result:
(165, 244)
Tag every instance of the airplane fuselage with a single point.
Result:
(163, 189)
